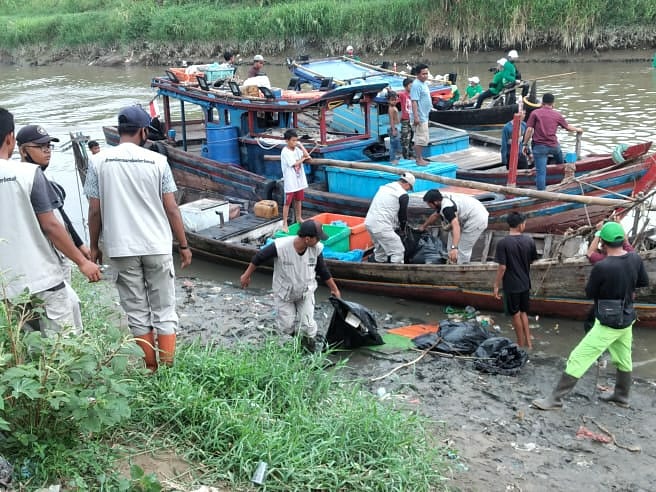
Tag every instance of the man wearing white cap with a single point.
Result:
(389, 211)
(496, 85)
(351, 54)
(256, 67)
(472, 91)
(512, 59)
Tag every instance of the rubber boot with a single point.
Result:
(555, 401)
(166, 345)
(620, 396)
(147, 344)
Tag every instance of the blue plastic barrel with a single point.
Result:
(222, 144)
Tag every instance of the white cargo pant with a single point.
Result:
(387, 243)
(469, 234)
(146, 288)
(59, 310)
(293, 313)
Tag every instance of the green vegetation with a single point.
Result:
(371, 24)
(75, 410)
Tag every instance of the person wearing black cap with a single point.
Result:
(467, 218)
(388, 213)
(131, 201)
(29, 229)
(297, 260)
(612, 285)
(35, 147)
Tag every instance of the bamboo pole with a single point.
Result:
(554, 75)
(543, 195)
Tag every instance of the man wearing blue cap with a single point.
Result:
(612, 284)
(132, 202)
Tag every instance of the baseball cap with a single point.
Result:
(34, 133)
(310, 228)
(513, 54)
(612, 232)
(133, 117)
(259, 58)
(408, 178)
(502, 61)
(349, 48)
(475, 80)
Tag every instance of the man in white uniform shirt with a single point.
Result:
(132, 202)
(389, 211)
(28, 231)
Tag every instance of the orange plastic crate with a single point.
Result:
(359, 238)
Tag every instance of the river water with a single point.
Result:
(613, 102)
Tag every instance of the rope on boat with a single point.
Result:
(605, 190)
(262, 146)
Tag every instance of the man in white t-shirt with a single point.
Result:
(292, 158)
(131, 200)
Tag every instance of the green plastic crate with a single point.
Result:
(338, 236)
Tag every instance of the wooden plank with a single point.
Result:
(486, 248)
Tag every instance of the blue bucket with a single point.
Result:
(222, 144)
(570, 157)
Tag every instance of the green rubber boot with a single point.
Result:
(555, 401)
(620, 396)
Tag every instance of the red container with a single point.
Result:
(359, 238)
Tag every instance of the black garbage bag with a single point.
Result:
(352, 326)
(499, 355)
(429, 250)
(455, 337)
(376, 152)
(411, 238)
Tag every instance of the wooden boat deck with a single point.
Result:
(477, 158)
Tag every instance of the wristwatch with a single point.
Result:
(453, 246)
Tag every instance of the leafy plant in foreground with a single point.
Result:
(55, 390)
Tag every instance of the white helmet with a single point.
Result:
(513, 55)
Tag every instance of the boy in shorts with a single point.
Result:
(293, 175)
(514, 254)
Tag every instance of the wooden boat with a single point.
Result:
(558, 279)
(335, 71)
(194, 171)
(498, 174)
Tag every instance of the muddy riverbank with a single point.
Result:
(172, 54)
(500, 443)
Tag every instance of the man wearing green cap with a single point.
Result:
(611, 284)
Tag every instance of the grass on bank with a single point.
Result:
(371, 24)
(223, 410)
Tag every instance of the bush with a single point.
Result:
(58, 390)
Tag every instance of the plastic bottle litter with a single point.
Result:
(260, 473)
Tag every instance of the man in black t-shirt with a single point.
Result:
(612, 284)
(514, 254)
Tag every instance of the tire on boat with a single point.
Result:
(490, 197)
(265, 191)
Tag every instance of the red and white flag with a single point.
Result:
(153, 108)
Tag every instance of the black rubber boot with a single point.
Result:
(314, 344)
(555, 401)
(620, 396)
